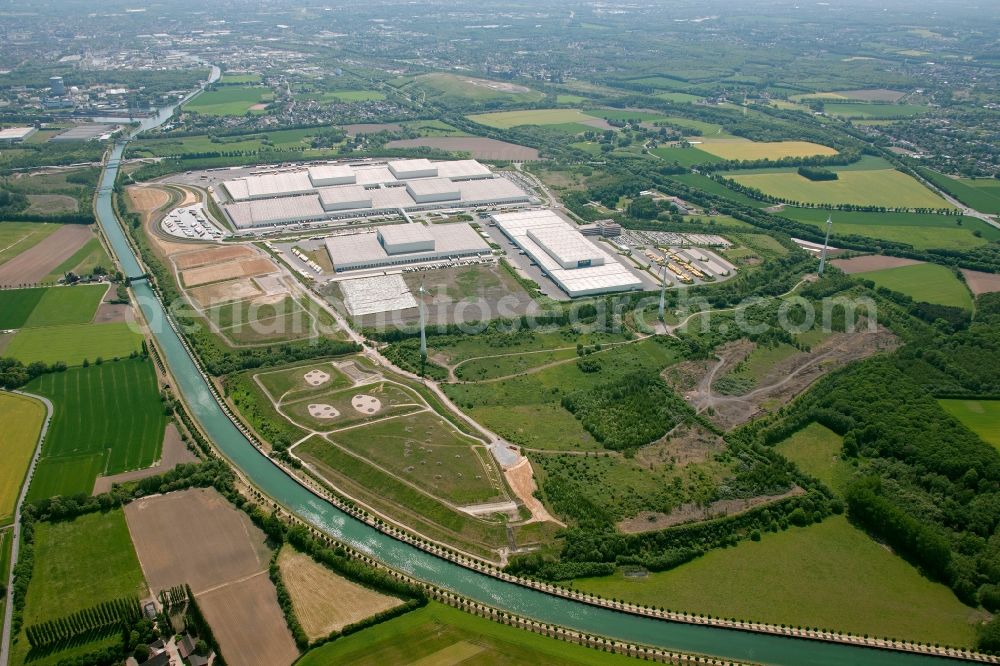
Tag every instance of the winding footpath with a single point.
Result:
(8, 609)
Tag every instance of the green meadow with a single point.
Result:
(930, 283)
(980, 416)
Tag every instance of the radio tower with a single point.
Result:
(423, 333)
(826, 244)
(663, 290)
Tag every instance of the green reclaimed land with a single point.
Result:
(291, 384)
(349, 96)
(983, 194)
(879, 187)
(16, 237)
(564, 98)
(438, 634)
(229, 100)
(625, 114)
(816, 451)
(922, 231)
(527, 409)
(68, 557)
(929, 283)
(686, 157)
(828, 575)
(683, 98)
(478, 90)
(74, 343)
(433, 128)
(202, 143)
(706, 184)
(874, 111)
(67, 305)
(239, 79)
(661, 83)
(109, 413)
(504, 366)
(755, 367)
(16, 305)
(508, 119)
(980, 416)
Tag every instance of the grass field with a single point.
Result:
(741, 149)
(683, 98)
(16, 237)
(875, 111)
(508, 119)
(109, 412)
(816, 451)
(16, 305)
(228, 100)
(980, 416)
(705, 183)
(83, 261)
(922, 231)
(68, 557)
(929, 283)
(67, 305)
(983, 194)
(349, 96)
(829, 575)
(22, 418)
(883, 187)
(240, 79)
(564, 98)
(73, 343)
(438, 635)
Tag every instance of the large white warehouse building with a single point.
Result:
(401, 244)
(578, 266)
(342, 191)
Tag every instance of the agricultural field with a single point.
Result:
(107, 419)
(227, 572)
(508, 119)
(239, 78)
(67, 555)
(475, 90)
(325, 602)
(67, 305)
(703, 182)
(438, 634)
(742, 149)
(922, 231)
(33, 266)
(229, 100)
(983, 194)
(829, 575)
(83, 262)
(930, 283)
(74, 343)
(347, 96)
(16, 305)
(686, 157)
(16, 237)
(22, 418)
(882, 187)
(980, 416)
(867, 95)
(816, 451)
(874, 111)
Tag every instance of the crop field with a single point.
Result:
(16, 237)
(737, 149)
(480, 90)
(437, 635)
(983, 194)
(227, 571)
(883, 187)
(32, 265)
(83, 261)
(16, 305)
(816, 450)
(829, 575)
(109, 412)
(477, 146)
(866, 95)
(22, 418)
(67, 555)
(228, 100)
(349, 96)
(74, 343)
(685, 156)
(929, 283)
(705, 183)
(922, 231)
(323, 601)
(67, 305)
(508, 119)
(980, 416)
(424, 450)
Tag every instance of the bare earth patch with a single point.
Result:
(521, 479)
(34, 264)
(871, 262)
(652, 521)
(686, 445)
(214, 255)
(223, 292)
(981, 283)
(325, 602)
(227, 271)
(479, 147)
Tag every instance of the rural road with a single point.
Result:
(8, 613)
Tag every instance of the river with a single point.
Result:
(719, 642)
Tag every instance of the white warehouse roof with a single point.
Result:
(331, 174)
(462, 169)
(269, 185)
(16, 133)
(433, 189)
(418, 168)
(246, 214)
(404, 244)
(397, 238)
(345, 197)
(531, 230)
(567, 246)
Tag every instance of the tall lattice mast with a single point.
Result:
(826, 244)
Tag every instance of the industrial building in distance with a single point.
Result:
(402, 244)
(350, 191)
(573, 262)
